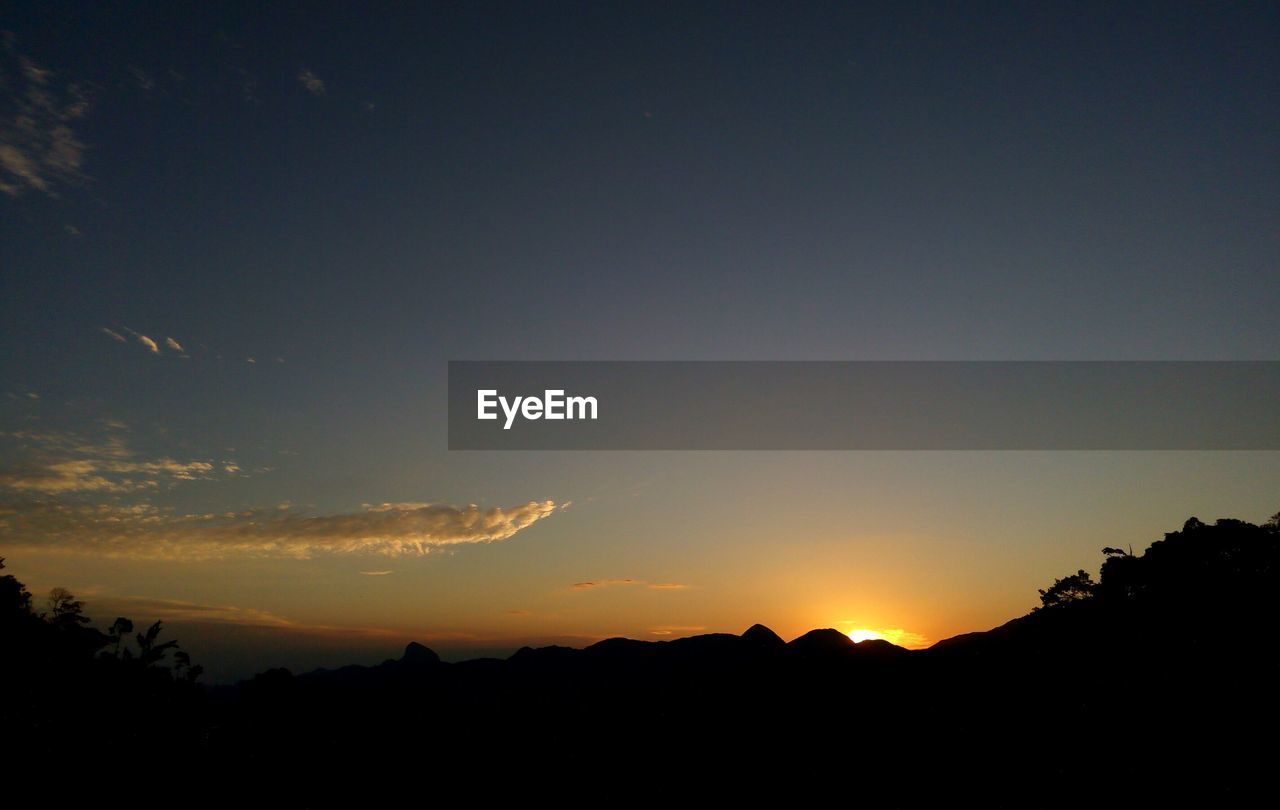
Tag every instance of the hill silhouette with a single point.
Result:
(1156, 680)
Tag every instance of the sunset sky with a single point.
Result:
(238, 248)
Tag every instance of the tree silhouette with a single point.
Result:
(183, 669)
(65, 610)
(14, 598)
(120, 628)
(148, 651)
(1075, 588)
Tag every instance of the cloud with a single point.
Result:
(38, 147)
(61, 444)
(376, 573)
(98, 475)
(148, 610)
(64, 476)
(144, 80)
(143, 531)
(313, 83)
(609, 583)
(673, 629)
(144, 340)
(603, 583)
(903, 638)
(61, 463)
(248, 84)
(114, 335)
(173, 344)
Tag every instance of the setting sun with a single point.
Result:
(893, 635)
(864, 635)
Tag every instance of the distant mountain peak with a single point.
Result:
(416, 653)
(821, 642)
(762, 636)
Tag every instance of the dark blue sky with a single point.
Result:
(353, 195)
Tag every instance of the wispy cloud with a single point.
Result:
(62, 444)
(610, 583)
(149, 609)
(99, 475)
(312, 82)
(144, 80)
(376, 573)
(57, 463)
(676, 629)
(167, 345)
(38, 147)
(903, 638)
(150, 344)
(144, 531)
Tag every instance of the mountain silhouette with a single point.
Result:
(418, 655)
(757, 635)
(1151, 684)
(826, 643)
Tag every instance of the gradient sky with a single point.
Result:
(320, 208)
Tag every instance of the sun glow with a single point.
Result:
(893, 635)
(862, 634)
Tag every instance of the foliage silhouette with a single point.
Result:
(1075, 588)
(63, 676)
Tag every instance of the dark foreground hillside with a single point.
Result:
(1157, 681)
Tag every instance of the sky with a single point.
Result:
(239, 246)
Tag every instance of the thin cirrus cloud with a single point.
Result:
(596, 584)
(676, 629)
(146, 341)
(313, 83)
(39, 149)
(144, 531)
(158, 347)
(187, 615)
(183, 611)
(96, 475)
(903, 638)
(56, 463)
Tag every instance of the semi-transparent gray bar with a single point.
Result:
(864, 405)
